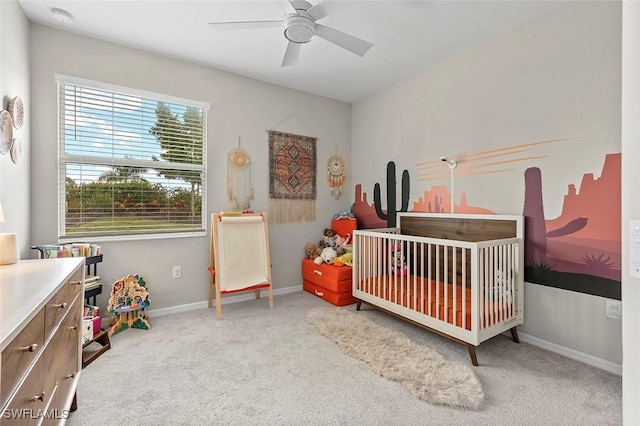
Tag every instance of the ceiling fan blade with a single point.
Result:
(346, 41)
(291, 55)
(326, 8)
(286, 6)
(245, 25)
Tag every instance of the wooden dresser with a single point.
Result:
(41, 305)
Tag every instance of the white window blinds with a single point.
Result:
(131, 163)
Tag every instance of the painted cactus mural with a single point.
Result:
(390, 215)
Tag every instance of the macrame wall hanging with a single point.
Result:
(336, 174)
(239, 190)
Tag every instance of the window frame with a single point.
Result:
(64, 159)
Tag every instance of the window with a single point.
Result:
(132, 163)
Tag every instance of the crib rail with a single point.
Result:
(468, 290)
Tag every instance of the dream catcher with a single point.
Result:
(239, 190)
(336, 175)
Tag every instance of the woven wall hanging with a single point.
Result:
(292, 177)
(336, 174)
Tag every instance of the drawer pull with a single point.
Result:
(61, 305)
(319, 293)
(31, 348)
(76, 282)
(315, 271)
(38, 397)
(70, 376)
(73, 327)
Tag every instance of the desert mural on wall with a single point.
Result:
(579, 250)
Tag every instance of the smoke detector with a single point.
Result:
(61, 15)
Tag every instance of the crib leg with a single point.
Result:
(358, 305)
(514, 335)
(472, 353)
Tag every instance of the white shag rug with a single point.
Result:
(423, 371)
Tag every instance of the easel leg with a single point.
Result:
(218, 303)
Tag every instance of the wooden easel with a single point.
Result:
(239, 256)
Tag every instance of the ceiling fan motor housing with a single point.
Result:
(299, 28)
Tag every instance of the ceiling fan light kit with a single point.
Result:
(299, 28)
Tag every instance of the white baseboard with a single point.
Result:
(225, 301)
(609, 366)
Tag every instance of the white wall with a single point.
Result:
(241, 107)
(556, 76)
(630, 208)
(14, 81)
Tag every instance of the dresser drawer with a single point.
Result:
(75, 284)
(64, 346)
(62, 397)
(18, 356)
(55, 309)
(29, 400)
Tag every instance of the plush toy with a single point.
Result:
(328, 255)
(342, 241)
(345, 259)
(311, 251)
(328, 238)
(397, 260)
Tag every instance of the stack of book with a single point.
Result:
(91, 281)
(69, 250)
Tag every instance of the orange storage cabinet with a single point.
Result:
(329, 282)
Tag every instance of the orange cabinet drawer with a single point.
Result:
(338, 299)
(325, 272)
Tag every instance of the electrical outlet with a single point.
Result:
(614, 309)
(177, 272)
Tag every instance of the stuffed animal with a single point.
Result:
(328, 255)
(397, 260)
(328, 238)
(342, 244)
(345, 259)
(342, 241)
(311, 251)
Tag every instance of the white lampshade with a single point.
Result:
(9, 252)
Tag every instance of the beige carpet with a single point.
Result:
(271, 367)
(423, 371)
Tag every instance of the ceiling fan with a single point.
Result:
(300, 27)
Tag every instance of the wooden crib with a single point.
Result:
(460, 276)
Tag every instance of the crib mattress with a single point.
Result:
(440, 306)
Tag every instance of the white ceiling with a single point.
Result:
(407, 36)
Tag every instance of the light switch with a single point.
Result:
(634, 248)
